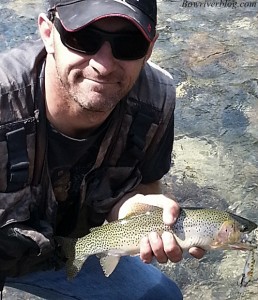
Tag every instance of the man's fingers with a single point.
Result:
(171, 209)
(162, 247)
(145, 250)
(197, 252)
(156, 244)
(170, 212)
(171, 248)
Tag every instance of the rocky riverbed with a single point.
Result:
(210, 47)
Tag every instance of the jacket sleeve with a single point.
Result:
(26, 211)
(20, 253)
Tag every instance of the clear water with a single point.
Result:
(212, 54)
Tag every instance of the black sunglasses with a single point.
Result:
(125, 45)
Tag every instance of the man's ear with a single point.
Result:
(148, 55)
(46, 28)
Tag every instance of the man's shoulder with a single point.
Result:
(17, 64)
(19, 69)
(157, 74)
(155, 86)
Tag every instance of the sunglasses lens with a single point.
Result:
(85, 41)
(125, 46)
(130, 47)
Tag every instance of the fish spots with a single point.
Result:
(205, 228)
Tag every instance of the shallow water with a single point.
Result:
(212, 54)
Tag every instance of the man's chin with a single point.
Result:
(103, 107)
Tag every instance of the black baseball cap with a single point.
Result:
(76, 14)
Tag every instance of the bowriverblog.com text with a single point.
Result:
(222, 3)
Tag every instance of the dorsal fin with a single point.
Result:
(135, 209)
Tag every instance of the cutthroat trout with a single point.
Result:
(205, 228)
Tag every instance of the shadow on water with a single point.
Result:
(212, 54)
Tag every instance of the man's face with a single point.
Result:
(97, 82)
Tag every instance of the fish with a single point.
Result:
(207, 228)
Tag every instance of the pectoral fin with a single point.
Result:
(109, 263)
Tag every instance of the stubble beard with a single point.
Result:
(91, 100)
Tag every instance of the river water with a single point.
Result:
(211, 50)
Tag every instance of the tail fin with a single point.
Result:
(73, 267)
(67, 246)
(74, 261)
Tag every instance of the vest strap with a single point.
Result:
(136, 140)
(18, 160)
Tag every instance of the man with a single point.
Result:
(86, 132)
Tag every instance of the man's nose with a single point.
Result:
(103, 60)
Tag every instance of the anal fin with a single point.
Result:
(109, 263)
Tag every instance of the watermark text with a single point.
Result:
(219, 3)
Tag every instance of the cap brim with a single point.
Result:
(76, 15)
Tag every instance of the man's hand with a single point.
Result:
(163, 247)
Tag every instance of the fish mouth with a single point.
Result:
(245, 224)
